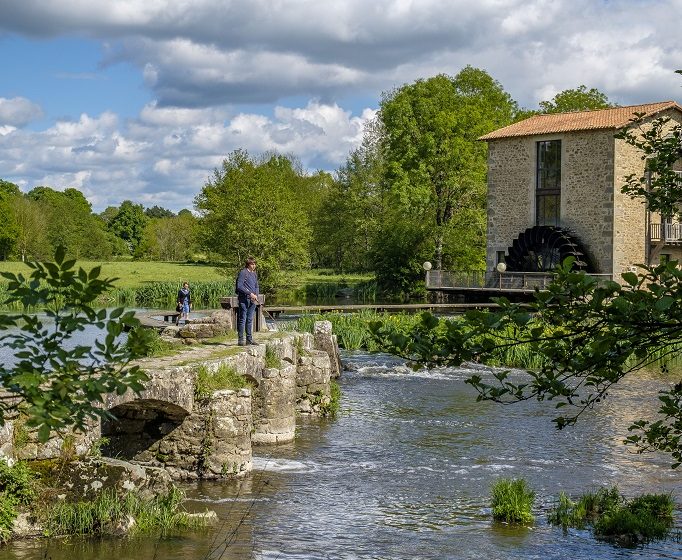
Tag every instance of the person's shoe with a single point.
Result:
(251, 343)
(241, 343)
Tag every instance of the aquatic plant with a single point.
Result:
(512, 501)
(107, 513)
(612, 517)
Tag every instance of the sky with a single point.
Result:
(142, 100)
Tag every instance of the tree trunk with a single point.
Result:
(439, 251)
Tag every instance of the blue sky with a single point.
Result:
(142, 100)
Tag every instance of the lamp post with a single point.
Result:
(501, 268)
(427, 267)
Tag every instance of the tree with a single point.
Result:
(31, 240)
(60, 385)
(256, 207)
(71, 223)
(346, 226)
(588, 335)
(169, 239)
(128, 224)
(158, 212)
(578, 99)
(435, 166)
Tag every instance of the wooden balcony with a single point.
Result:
(669, 233)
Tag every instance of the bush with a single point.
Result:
(512, 501)
(17, 482)
(17, 486)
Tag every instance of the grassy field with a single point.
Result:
(133, 274)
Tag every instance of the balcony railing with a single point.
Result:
(493, 280)
(670, 231)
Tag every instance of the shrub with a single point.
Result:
(8, 514)
(17, 482)
(512, 501)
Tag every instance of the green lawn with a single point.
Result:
(134, 274)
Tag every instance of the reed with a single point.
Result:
(109, 511)
(512, 501)
(612, 517)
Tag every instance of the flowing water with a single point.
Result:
(405, 472)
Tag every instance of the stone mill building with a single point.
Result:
(554, 189)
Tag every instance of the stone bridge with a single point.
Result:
(168, 425)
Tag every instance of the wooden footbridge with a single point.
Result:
(276, 310)
(161, 319)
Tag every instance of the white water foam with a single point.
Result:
(283, 465)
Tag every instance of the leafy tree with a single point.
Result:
(346, 227)
(435, 166)
(256, 207)
(158, 212)
(71, 223)
(61, 385)
(31, 228)
(169, 239)
(588, 335)
(578, 99)
(8, 233)
(8, 190)
(128, 224)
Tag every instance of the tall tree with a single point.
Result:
(128, 224)
(435, 167)
(256, 206)
(346, 226)
(578, 99)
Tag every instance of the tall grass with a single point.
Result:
(512, 501)
(108, 511)
(165, 294)
(209, 381)
(352, 329)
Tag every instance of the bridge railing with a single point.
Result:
(493, 280)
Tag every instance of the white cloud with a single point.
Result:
(18, 111)
(206, 60)
(165, 156)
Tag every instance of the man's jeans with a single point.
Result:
(245, 319)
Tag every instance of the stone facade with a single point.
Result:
(611, 226)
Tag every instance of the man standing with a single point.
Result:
(247, 295)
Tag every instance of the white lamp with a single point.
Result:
(501, 267)
(427, 266)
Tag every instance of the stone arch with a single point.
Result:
(137, 426)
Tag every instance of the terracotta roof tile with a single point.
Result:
(582, 120)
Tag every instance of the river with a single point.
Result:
(404, 472)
